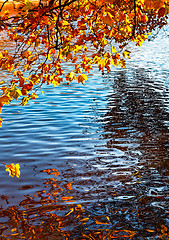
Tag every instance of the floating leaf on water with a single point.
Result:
(13, 170)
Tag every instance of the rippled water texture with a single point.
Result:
(94, 159)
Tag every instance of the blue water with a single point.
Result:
(108, 138)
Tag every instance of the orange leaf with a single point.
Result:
(108, 19)
(98, 222)
(81, 78)
(150, 230)
(0, 122)
(69, 186)
(67, 198)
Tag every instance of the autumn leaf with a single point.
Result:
(70, 76)
(13, 170)
(69, 186)
(81, 78)
(161, 12)
(108, 19)
(34, 95)
(144, 18)
(113, 49)
(15, 93)
(0, 122)
(25, 100)
(84, 219)
(27, 6)
(126, 54)
(6, 99)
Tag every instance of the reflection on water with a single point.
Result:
(94, 160)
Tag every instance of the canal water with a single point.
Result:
(94, 159)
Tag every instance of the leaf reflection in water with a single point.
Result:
(50, 215)
(45, 214)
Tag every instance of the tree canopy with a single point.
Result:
(82, 32)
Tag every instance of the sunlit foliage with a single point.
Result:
(85, 33)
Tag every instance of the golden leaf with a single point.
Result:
(126, 54)
(27, 6)
(113, 49)
(70, 76)
(13, 170)
(25, 100)
(15, 93)
(5, 100)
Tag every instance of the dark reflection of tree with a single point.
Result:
(137, 113)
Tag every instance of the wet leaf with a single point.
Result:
(13, 170)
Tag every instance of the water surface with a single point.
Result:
(94, 159)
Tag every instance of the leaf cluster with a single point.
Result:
(84, 33)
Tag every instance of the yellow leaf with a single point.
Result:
(60, 55)
(13, 169)
(27, 6)
(49, 57)
(77, 48)
(113, 49)
(126, 54)
(15, 93)
(122, 63)
(25, 100)
(128, 29)
(1, 56)
(2, 82)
